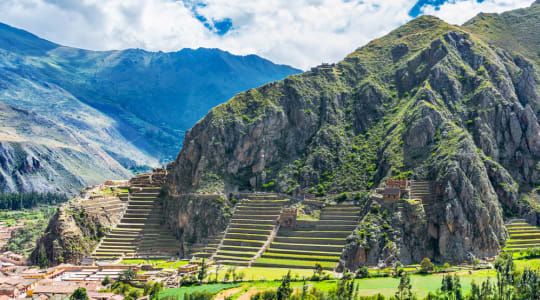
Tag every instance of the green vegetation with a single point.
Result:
(17, 201)
(178, 293)
(259, 273)
(480, 284)
(35, 222)
(79, 294)
(293, 262)
(157, 263)
(151, 289)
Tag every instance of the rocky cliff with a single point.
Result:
(429, 101)
(77, 227)
(71, 235)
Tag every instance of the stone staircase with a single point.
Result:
(522, 235)
(140, 232)
(317, 242)
(250, 228)
(422, 191)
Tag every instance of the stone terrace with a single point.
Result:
(140, 232)
(320, 241)
(522, 236)
(253, 221)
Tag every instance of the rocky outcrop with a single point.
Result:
(78, 225)
(71, 235)
(196, 217)
(429, 101)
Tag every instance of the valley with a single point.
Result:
(81, 117)
(410, 169)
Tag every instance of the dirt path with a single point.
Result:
(227, 293)
(248, 295)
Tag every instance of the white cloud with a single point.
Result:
(460, 11)
(302, 33)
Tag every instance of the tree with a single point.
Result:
(362, 272)
(156, 288)
(106, 281)
(404, 288)
(217, 272)
(43, 261)
(446, 267)
(284, 291)
(397, 266)
(528, 285)
(127, 275)
(504, 264)
(318, 269)
(451, 286)
(79, 294)
(202, 271)
(426, 265)
(475, 262)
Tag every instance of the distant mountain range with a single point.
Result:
(73, 117)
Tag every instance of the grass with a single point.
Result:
(336, 258)
(530, 263)
(387, 286)
(422, 284)
(157, 263)
(178, 293)
(292, 262)
(258, 273)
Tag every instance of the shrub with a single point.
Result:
(532, 252)
(362, 272)
(342, 197)
(375, 209)
(79, 294)
(269, 185)
(426, 265)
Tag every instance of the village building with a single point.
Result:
(188, 268)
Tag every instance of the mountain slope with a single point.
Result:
(429, 101)
(131, 106)
(38, 155)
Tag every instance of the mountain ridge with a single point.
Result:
(429, 101)
(133, 104)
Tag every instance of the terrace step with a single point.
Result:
(309, 241)
(250, 231)
(253, 221)
(246, 236)
(304, 258)
(246, 243)
(232, 262)
(339, 218)
(251, 226)
(321, 234)
(306, 247)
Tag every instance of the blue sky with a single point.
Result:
(301, 33)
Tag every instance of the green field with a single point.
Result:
(524, 263)
(257, 273)
(293, 262)
(179, 293)
(371, 286)
(157, 263)
(35, 222)
(422, 284)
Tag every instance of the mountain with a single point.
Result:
(455, 107)
(123, 110)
